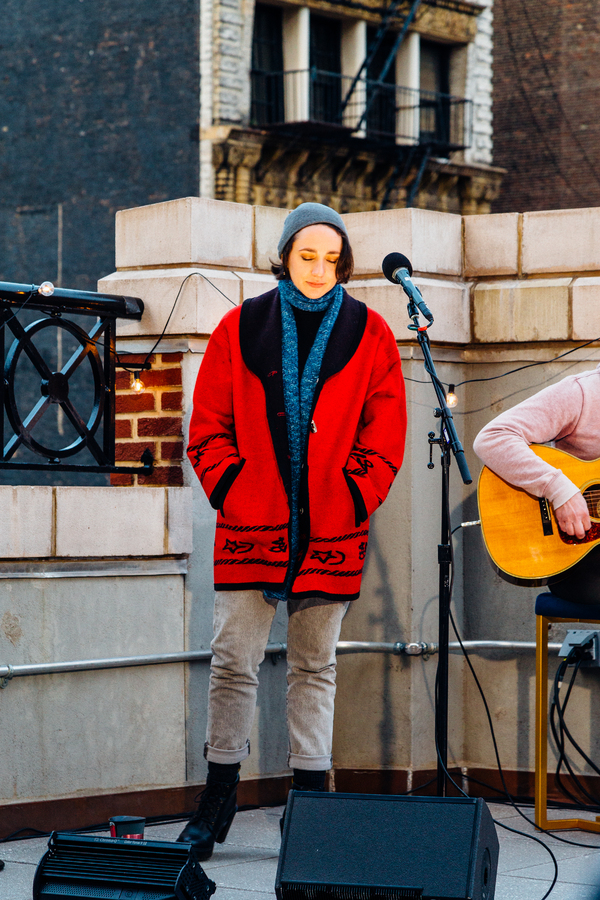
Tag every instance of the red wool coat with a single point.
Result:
(239, 450)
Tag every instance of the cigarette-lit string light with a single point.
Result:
(137, 384)
(542, 362)
(46, 289)
(451, 398)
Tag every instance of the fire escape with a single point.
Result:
(368, 113)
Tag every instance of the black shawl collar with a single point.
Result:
(260, 344)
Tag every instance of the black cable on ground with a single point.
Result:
(495, 745)
(496, 753)
(558, 709)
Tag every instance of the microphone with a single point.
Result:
(397, 268)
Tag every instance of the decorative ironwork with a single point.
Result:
(94, 347)
(372, 109)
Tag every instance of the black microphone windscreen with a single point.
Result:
(395, 261)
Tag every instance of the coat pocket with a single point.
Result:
(360, 510)
(223, 485)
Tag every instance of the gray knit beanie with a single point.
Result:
(309, 214)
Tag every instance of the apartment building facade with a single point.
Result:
(361, 105)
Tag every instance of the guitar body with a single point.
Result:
(520, 531)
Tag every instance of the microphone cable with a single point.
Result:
(136, 368)
(496, 822)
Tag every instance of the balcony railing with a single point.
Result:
(384, 112)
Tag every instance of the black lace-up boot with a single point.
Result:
(212, 820)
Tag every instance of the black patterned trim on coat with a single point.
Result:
(216, 466)
(360, 510)
(365, 451)
(253, 527)
(334, 572)
(339, 537)
(200, 449)
(272, 586)
(278, 563)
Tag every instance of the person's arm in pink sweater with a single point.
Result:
(503, 445)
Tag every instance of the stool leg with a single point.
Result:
(541, 722)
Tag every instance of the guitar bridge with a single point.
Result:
(546, 517)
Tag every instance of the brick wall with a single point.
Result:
(151, 420)
(545, 60)
(116, 86)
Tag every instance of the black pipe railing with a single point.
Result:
(393, 113)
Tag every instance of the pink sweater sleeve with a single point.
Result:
(503, 444)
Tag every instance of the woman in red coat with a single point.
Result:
(296, 435)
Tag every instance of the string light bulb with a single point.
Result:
(451, 398)
(138, 385)
(46, 288)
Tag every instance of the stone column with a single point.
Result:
(408, 76)
(296, 61)
(354, 51)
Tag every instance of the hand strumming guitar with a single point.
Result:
(573, 516)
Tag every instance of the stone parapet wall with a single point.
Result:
(501, 278)
(42, 522)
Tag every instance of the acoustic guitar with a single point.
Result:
(520, 531)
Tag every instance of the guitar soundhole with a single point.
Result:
(592, 498)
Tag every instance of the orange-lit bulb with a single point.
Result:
(46, 288)
(451, 398)
(138, 385)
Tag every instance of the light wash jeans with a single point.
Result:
(242, 622)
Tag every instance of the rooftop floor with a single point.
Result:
(244, 867)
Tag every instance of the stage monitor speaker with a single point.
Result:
(363, 846)
(80, 867)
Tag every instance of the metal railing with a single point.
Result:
(37, 381)
(394, 114)
(398, 648)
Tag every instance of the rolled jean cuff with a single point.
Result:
(226, 757)
(310, 763)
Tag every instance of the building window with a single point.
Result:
(304, 66)
(325, 69)
(267, 65)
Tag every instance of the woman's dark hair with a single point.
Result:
(343, 269)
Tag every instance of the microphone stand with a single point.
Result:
(449, 443)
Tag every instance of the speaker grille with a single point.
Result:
(82, 866)
(375, 847)
(80, 890)
(347, 892)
